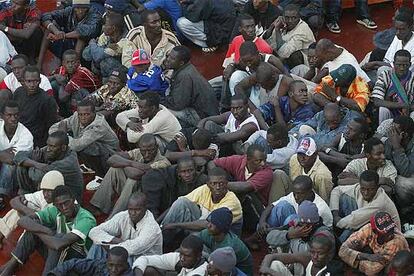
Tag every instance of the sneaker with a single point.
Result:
(333, 27)
(86, 170)
(367, 23)
(94, 184)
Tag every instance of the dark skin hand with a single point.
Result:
(297, 232)
(135, 124)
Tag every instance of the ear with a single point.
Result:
(65, 147)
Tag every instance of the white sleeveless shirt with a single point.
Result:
(231, 123)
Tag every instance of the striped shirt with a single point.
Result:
(383, 84)
(82, 78)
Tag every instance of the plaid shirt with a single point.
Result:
(81, 78)
(366, 237)
(32, 16)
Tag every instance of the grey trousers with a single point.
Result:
(193, 31)
(114, 182)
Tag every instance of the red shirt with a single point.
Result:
(234, 47)
(32, 16)
(261, 180)
(82, 78)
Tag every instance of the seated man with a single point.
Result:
(90, 136)
(238, 124)
(353, 205)
(296, 235)
(135, 229)
(188, 260)
(116, 263)
(191, 97)
(344, 88)
(60, 231)
(30, 203)
(14, 137)
(15, 79)
(264, 14)
(32, 165)
(306, 162)
(375, 161)
(156, 41)
(290, 110)
(393, 92)
(323, 242)
(346, 146)
(72, 82)
(223, 260)
(149, 117)
(21, 24)
(128, 9)
(290, 35)
(192, 142)
(325, 125)
(218, 235)
(198, 204)
(69, 28)
(126, 169)
(402, 263)
(311, 11)
(372, 248)
(164, 186)
(278, 144)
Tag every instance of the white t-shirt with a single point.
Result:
(396, 45)
(7, 50)
(22, 139)
(10, 82)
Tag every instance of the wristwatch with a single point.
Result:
(338, 99)
(328, 150)
(6, 29)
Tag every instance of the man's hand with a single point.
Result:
(297, 232)
(329, 91)
(37, 154)
(228, 71)
(114, 240)
(372, 257)
(135, 126)
(141, 166)
(279, 23)
(206, 153)
(181, 141)
(394, 137)
(61, 80)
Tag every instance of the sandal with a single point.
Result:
(209, 49)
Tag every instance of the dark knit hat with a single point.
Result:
(308, 212)
(346, 73)
(224, 259)
(221, 218)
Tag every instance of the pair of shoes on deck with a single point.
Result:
(333, 27)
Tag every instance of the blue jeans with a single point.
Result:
(333, 10)
(263, 143)
(281, 214)
(97, 252)
(347, 205)
(6, 179)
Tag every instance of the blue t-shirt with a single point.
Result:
(152, 79)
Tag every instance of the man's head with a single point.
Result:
(256, 158)
(70, 61)
(117, 262)
(322, 248)
(140, 61)
(219, 221)
(191, 250)
(325, 50)
(403, 23)
(266, 75)
(114, 24)
(64, 201)
(10, 116)
(217, 183)
(31, 79)
(403, 263)
(116, 6)
(137, 207)
(291, 16)
(221, 262)
(18, 64)
(308, 213)
(302, 188)
(249, 55)
(80, 8)
(239, 107)
(148, 105)
(152, 22)
(186, 170)
(117, 80)
(332, 115)
(344, 76)
(201, 139)
(298, 92)
(312, 58)
(19, 6)
(86, 112)
(307, 152)
(57, 145)
(49, 182)
(375, 152)
(356, 130)
(277, 136)
(177, 57)
(402, 62)
(247, 27)
(405, 128)
(383, 225)
(148, 147)
(369, 184)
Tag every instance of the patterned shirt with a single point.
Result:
(357, 91)
(123, 100)
(365, 237)
(32, 16)
(82, 78)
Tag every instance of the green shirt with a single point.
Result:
(244, 258)
(80, 225)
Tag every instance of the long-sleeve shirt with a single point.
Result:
(163, 124)
(402, 159)
(99, 131)
(365, 237)
(85, 267)
(169, 262)
(144, 238)
(22, 139)
(358, 166)
(361, 216)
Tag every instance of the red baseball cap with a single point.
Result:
(140, 57)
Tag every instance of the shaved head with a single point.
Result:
(325, 44)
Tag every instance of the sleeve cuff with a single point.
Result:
(79, 234)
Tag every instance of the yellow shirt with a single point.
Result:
(202, 197)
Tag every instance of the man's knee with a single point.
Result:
(182, 23)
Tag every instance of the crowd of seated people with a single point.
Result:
(125, 160)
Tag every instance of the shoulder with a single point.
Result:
(84, 215)
(133, 33)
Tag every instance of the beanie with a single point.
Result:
(221, 218)
(51, 180)
(224, 259)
